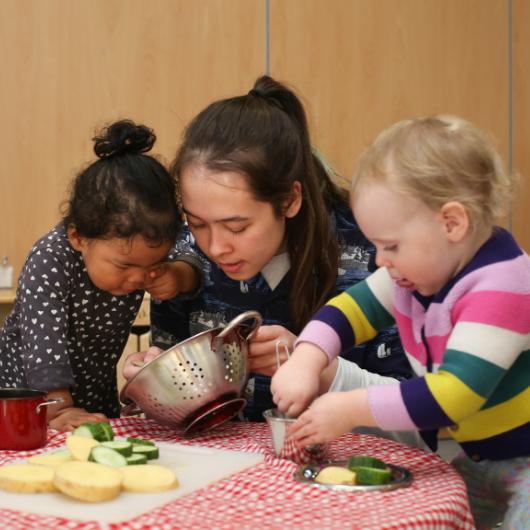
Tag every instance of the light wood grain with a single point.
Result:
(69, 67)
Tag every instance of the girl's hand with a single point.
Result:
(169, 279)
(330, 416)
(71, 417)
(134, 362)
(296, 383)
(262, 350)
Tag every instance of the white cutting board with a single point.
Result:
(194, 466)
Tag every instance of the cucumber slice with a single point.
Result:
(100, 431)
(150, 451)
(136, 458)
(107, 434)
(122, 447)
(140, 441)
(371, 476)
(365, 461)
(107, 457)
(83, 430)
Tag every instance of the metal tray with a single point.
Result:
(306, 474)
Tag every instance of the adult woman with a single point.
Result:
(273, 232)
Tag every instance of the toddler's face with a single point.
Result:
(119, 266)
(230, 226)
(410, 239)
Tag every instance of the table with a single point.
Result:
(267, 497)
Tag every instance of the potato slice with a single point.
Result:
(335, 475)
(50, 460)
(26, 478)
(148, 478)
(88, 481)
(80, 446)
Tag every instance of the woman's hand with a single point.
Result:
(169, 279)
(262, 349)
(296, 383)
(134, 362)
(71, 417)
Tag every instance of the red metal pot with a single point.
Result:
(23, 423)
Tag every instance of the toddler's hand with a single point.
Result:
(171, 278)
(134, 362)
(331, 415)
(71, 417)
(296, 382)
(262, 349)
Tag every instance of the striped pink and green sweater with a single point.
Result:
(469, 345)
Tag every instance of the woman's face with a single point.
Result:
(240, 234)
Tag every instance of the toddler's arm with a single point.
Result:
(172, 278)
(296, 383)
(64, 416)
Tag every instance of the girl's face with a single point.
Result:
(415, 243)
(118, 266)
(230, 226)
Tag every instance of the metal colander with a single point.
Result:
(197, 383)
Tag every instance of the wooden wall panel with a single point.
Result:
(521, 119)
(363, 64)
(71, 66)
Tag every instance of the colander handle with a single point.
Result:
(237, 321)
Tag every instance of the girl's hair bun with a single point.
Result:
(123, 137)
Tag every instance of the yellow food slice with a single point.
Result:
(335, 475)
(26, 478)
(148, 478)
(88, 481)
(80, 446)
(53, 460)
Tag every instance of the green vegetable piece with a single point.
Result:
(100, 431)
(106, 456)
(371, 476)
(122, 447)
(150, 451)
(365, 461)
(136, 459)
(140, 441)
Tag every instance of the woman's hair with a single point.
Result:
(264, 136)
(126, 192)
(440, 159)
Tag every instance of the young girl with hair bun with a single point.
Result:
(83, 282)
(428, 193)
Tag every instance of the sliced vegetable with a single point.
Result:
(106, 456)
(88, 481)
(148, 478)
(140, 441)
(335, 475)
(100, 431)
(365, 461)
(26, 478)
(52, 460)
(136, 459)
(80, 446)
(122, 447)
(371, 476)
(150, 451)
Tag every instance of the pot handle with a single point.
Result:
(49, 402)
(237, 321)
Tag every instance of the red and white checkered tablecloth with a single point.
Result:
(267, 497)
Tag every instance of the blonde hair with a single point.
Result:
(437, 160)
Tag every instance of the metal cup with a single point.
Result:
(284, 446)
